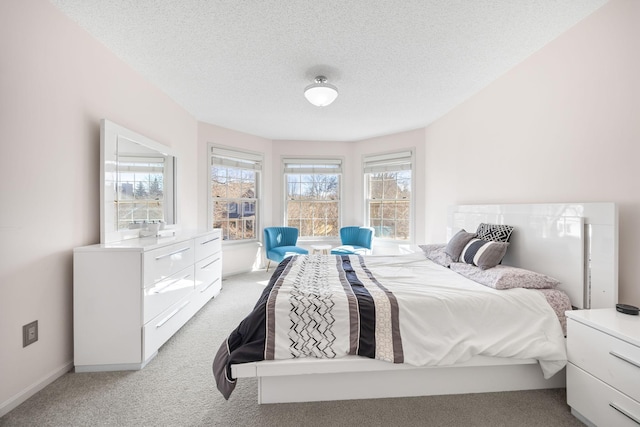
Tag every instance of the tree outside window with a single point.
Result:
(388, 194)
(234, 202)
(234, 193)
(313, 196)
(389, 204)
(140, 192)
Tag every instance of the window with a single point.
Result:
(235, 178)
(313, 196)
(140, 190)
(387, 179)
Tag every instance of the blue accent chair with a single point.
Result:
(355, 241)
(280, 242)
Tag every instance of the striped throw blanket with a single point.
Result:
(315, 306)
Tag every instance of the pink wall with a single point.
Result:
(564, 125)
(56, 84)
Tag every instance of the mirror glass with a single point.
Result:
(138, 184)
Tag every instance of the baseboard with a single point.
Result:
(13, 402)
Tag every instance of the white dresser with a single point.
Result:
(603, 374)
(130, 297)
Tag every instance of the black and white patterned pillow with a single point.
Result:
(483, 253)
(494, 232)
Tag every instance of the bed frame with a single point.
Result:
(576, 243)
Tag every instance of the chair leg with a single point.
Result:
(268, 264)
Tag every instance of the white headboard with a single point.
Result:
(577, 243)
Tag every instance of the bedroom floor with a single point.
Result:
(177, 389)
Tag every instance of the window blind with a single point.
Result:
(389, 162)
(312, 166)
(236, 159)
(144, 164)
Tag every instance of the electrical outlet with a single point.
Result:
(29, 333)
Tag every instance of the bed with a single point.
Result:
(457, 350)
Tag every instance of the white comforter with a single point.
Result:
(447, 319)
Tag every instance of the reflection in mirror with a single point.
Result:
(138, 188)
(140, 178)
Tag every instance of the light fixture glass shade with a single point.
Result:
(321, 93)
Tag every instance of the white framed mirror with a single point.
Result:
(138, 184)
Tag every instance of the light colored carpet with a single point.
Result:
(177, 389)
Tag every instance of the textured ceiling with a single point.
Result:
(398, 65)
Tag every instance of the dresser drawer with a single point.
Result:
(166, 261)
(600, 404)
(609, 359)
(208, 273)
(162, 294)
(156, 332)
(208, 244)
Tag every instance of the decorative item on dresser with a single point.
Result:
(603, 374)
(130, 297)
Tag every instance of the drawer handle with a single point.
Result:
(625, 413)
(173, 313)
(626, 359)
(209, 285)
(159, 290)
(172, 253)
(211, 240)
(212, 262)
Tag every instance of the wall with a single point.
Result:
(56, 84)
(237, 257)
(564, 125)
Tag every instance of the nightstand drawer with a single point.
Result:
(599, 403)
(609, 359)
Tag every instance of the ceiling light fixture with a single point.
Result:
(321, 93)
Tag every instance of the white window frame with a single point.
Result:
(395, 161)
(242, 159)
(313, 165)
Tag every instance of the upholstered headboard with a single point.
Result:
(577, 243)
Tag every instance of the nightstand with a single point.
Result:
(603, 373)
